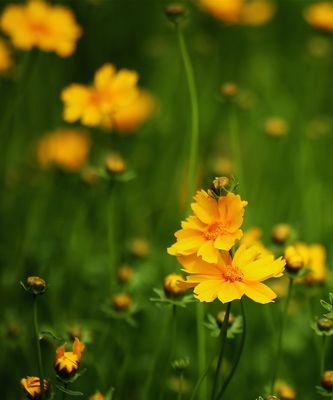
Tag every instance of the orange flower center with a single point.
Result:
(214, 231)
(39, 28)
(232, 274)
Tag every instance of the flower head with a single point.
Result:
(31, 387)
(320, 15)
(214, 226)
(276, 126)
(231, 278)
(66, 148)
(285, 391)
(97, 105)
(173, 285)
(39, 24)
(66, 363)
(296, 256)
(327, 380)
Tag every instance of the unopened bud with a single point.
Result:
(220, 319)
(121, 302)
(281, 233)
(125, 273)
(172, 285)
(271, 398)
(35, 285)
(115, 164)
(175, 12)
(324, 324)
(229, 89)
(327, 380)
(219, 186)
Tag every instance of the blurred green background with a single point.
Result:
(76, 235)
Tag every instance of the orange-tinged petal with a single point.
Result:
(258, 292)
(208, 252)
(245, 254)
(231, 210)
(230, 291)
(205, 208)
(78, 347)
(186, 246)
(199, 266)
(264, 268)
(207, 290)
(60, 351)
(193, 222)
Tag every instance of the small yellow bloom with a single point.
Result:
(231, 278)
(66, 148)
(276, 127)
(115, 164)
(257, 12)
(140, 247)
(39, 24)
(97, 396)
(320, 15)
(285, 391)
(317, 264)
(173, 285)
(6, 60)
(121, 302)
(31, 387)
(128, 119)
(296, 256)
(66, 363)
(327, 380)
(281, 233)
(214, 226)
(97, 105)
(222, 166)
(125, 273)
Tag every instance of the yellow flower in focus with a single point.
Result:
(320, 15)
(247, 12)
(66, 148)
(97, 396)
(6, 60)
(173, 285)
(97, 105)
(231, 278)
(214, 226)
(42, 25)
(66, 363)
(31, 387)
(128, 119)
(257, 12)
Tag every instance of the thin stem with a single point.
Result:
(223, 341)
(38, 349)
(201, 337)
(238, 357)
(201, 378)
(180, 389)
(194, 142)
(323, 352)
(280, 337)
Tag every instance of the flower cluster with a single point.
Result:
(113, 100)
(203, 248)
(41, 25)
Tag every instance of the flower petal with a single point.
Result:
(227, 240)
(258, 292)
(205, 208)
(208, 289)
(208, 252)
(264, 268)
(230, 291)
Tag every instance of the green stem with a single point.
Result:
(238, 357)
(235, 144)
(64, 395)
(280, 337)
(201, 378)
(38, 349)
(323, 352)
(180, 389)
(194, 142)
(223, 342)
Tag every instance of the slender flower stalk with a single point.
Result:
(223, 342)
(38, 349)
(193, 160)
(238, 357)
(180, 388)
(323, 353)
(280, 337)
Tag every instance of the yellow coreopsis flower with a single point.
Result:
(320, 15)
(67, 148)
(233, 277)
(66, 363)
(41, 25)
(31, 387)
(317, 264)
(214, 226)
(6, 60)
(128, 119)
(97, 105)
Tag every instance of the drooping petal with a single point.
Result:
(258, 292)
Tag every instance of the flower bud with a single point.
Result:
(67, 363)
(115, 164)
(97, 396)
(281, 233)
(181, 364)
(90, 175)
(31, 387)
(294, 259)
(220, 318)
(172, 285)
(121, 302)
(285, 392)
(36, 285)
(324, 324)
(125, 273)
(327, 380)
(229, 89)
(140, 247)
(175, 12)
(276, 126)
(75, 332)
(219, 186)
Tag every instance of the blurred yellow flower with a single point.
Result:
(121, 302)
(247, 12)
(66, 363)
(66, 148)
(320, 15)
(231, 278)
(281, 233)
(317, 264)
(97, 105)
(214, 226)
(125, 273)
(6, 60)
(139, 247)
(31, 387)
(296, 256)
(42, 25)
(128, 119)
(114, 163)
(97, 396)
(285, 391)
(252, 237)
(276, 126)
(173, 285)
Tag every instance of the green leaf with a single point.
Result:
(68, 391)
(326, 305)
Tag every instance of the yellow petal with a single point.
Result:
(227, 240)
(230, 291)
(208, 252)
(262, 269)
(207, 290)
(205, 208)
(258, 292)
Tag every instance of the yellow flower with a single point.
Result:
(214, 226)
(115, 164)
(121, 302)
(231, 278)
(247, 12)
(67, 148)
(125, 273)
(285, 392)
(296, 256)
(39, 24)
(31, 387)
(128, 119)
(98, 104)
(317, 264)
(276, 127)
(320, 15)
(97, 396)
(66, 363)
(6, 60)
(173, 285)
(281, 233)
(140, 247)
